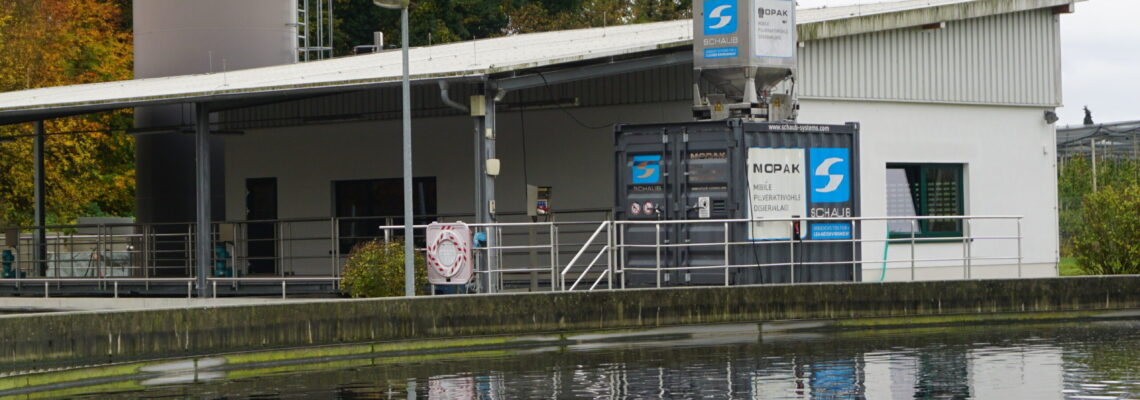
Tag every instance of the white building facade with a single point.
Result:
(968, 94)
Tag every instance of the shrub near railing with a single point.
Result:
(376, 269)
(1107, 241)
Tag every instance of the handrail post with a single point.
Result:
(657, 249)
(913, 231)
(726, 258)
(856, 263)
(1019, 251)
(562, 282)
(621, 255)
(965, 249)
(553, 263)
(610, 254)
(791, 253)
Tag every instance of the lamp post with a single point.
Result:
(409, 244)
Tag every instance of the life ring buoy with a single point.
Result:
(447, 253)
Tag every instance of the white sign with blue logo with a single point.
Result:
(646, 169)
(830, 191)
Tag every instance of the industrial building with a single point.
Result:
(303, 158)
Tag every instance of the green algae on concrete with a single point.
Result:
(46, 340)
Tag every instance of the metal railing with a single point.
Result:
(535, 256)
(966, 239)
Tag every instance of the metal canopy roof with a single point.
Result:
(663, 42)
(1117, 139)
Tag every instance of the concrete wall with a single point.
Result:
(38, 341)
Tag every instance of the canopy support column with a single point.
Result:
(40, 238)
(202, 230)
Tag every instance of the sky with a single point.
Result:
(1100, 59)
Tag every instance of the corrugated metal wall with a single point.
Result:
(1010, 59)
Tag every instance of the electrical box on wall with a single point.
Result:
(538, 200)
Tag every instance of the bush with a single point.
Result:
(376, 269)
(1107, 241)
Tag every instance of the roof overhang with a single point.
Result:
(512, 62)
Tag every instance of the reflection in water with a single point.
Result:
(1086, 360)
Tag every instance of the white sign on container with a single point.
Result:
(777, 189)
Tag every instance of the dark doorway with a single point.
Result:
(362, 206)
(261, 237)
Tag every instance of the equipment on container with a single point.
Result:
(744, 59)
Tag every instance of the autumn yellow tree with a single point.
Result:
(89, 161)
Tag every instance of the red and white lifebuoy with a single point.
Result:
(447, 253)
(449, 258)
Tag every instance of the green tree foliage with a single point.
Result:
(60, 42)
(376, 269)
(1107, 241)
(1075, 181)
(456, 20)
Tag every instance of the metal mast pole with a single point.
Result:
(409, 243)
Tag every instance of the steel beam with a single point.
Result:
(683, 56)
(203, 246)
(40, 239)
(489, 134)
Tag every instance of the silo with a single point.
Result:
(180, 37)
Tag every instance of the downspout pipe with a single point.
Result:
(443, 96)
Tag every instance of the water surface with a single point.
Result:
(1088, 360)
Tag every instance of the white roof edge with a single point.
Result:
(470, 59)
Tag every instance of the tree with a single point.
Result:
(1108, 239)
(456, 20)
(61, 42)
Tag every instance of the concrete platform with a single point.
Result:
(28, 305)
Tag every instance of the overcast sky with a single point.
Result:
(1100, 58)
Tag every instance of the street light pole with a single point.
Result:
(409, 243)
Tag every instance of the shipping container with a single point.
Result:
(737, 169)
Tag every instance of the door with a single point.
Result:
(261, 232)
(704, 156)
(362, 206)
(674, 172)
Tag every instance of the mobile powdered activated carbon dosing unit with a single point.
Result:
(738, 169)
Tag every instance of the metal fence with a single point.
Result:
(306, 256)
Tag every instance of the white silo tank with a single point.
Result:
(180, 37)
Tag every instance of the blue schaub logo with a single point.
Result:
(831, 175)
(720, 17)
(646, 169)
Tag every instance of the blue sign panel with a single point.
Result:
(646, 169)
(720, 17)
(833, 231)
(722, 52)
(830, 175)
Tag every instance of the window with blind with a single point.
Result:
(925, 190)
